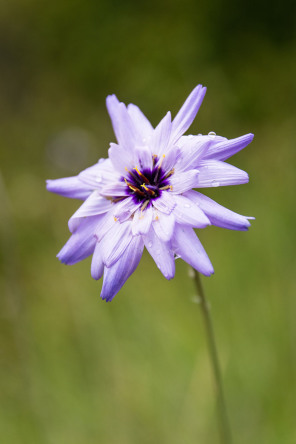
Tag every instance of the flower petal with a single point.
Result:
(144, 158)
(115, 242)
(114, 189)
(187, 113)
(165, 203)
(140, 121)
(187, 212)
(170, 159)
(124, 210)
(81, 244)
(92, 206)
(97, 265)
(142, 221)
(161, 253)
(222, 150)
(161, 135)
(121, 158)
(187, 245)
(164, 225)
(217, 214)
(117, 275)
(99, 174)
(69, 187)
(123, 126)
(184, 181)
(106, 222)
(192, 152)
(214, 173)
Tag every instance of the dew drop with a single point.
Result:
(177, 256)
(187, 205)
(215, 183)
(190, 136)
(149, 244)
(158, 265)
(212, 135)
(99, 179)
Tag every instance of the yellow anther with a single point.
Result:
(144, 186)
(170, 173)
(115, 219)
(167, 187)
(137, 169)
(144, 205)
(141, 175)
(161, 160)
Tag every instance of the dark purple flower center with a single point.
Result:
(146, 185)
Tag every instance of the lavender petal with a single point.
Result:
(162, 254)
(187, 245)
(116, 276)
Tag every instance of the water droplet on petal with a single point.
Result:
(99, 179)
(177, 256)
(212, 135)
(187, 205)
(149, 244)
(158, 265)
(190, 136)
(215, 183)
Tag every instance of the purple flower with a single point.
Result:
(142, 195)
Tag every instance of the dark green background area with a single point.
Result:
(74, 369)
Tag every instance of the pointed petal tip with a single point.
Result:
(111, 97)
(208, 271)
(50, 186)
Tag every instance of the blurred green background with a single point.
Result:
(73, 368)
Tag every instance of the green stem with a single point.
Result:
(225, 431)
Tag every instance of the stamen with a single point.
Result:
(118, 199)
(142, 175)
(132, 174)
(145, 205)
(134, 188)
(158, 168)
(115, 219)
(161, 160)
(151, 192)
(167, 187)
(154, 157)
(170, 173)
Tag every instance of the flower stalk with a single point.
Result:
(225, 431)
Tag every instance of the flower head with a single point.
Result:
(142, 195)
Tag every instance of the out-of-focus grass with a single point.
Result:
(77, 370)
